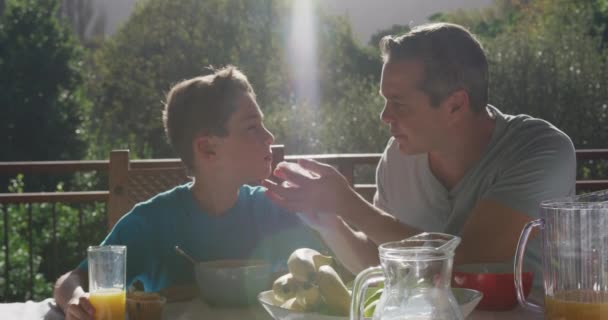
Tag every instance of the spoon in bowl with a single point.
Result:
(185, 255)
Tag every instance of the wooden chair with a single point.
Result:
(131, 182)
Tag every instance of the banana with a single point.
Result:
(284, 287)
(308, 295)
(321, 260)
(333, 290)
(293, 305)
(303, 263)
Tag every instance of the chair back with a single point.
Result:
(131, 182)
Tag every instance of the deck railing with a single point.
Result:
(358, 169)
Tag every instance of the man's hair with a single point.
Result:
(452, 57)
(202, 106)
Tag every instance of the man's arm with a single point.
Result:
(491, 233)
(343, 207)
(489, 220)
(70, 295)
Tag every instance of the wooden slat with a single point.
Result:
(102, 165)
(7, 262)
(52, 166)
(155, 163)
(55, 252)
(30, 241)
(51, 197)
(592, 154)
(591, 185)
(356, 158)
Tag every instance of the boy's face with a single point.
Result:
(245, 151)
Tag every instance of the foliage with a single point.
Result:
(164, 42)
(347, 125)
(42, 96)
(487, 22)
(86, 21)
(395, 30)
(59, 235)
(557, 73)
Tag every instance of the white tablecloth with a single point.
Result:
(196, 309)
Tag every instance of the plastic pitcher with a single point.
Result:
(574, 236)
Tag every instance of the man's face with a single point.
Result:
(245, 151)
(417, 126)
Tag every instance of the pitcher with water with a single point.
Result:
(416, 273)
(574, 236)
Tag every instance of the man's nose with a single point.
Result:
(385, 115)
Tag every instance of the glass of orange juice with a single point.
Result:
(107, 277)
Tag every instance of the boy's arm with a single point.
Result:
(70, 295)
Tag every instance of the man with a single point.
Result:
(454, 163)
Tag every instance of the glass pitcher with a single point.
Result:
(416, 273)
(574, 235)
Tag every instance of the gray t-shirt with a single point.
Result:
(527, 160)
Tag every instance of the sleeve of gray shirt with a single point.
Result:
(540, 167)
(380, 197)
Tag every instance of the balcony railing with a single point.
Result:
(358, 169)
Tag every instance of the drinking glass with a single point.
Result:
(107, 277)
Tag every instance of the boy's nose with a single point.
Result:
(269, 137)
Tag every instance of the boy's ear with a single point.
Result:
(205, 146)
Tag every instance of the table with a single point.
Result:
(196, 309)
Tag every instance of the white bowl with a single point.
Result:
(467, 300)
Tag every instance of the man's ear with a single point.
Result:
(457, 103)
(205, 146)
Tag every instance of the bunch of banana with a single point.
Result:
(312, 284)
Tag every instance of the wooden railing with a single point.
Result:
(348, 164)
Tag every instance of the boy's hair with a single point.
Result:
(453, 59)
(202, 106)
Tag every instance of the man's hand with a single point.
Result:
(80, 308)
(325, 190)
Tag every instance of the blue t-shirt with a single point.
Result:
(253, 228)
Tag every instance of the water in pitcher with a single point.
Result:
(417, 275)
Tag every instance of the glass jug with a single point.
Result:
(574, 236)
(417, 273)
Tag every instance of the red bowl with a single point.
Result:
(495, 281)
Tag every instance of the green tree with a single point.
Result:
(42, 94)
(87, 22)
(487, 22)
(41, 101)
(395, 30)
(164, 42)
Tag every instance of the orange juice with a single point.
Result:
(569, 305)
(109, 304)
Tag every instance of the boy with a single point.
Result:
(215, 126)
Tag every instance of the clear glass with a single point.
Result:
(417, 274)
(574, 234)
(107, 277)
